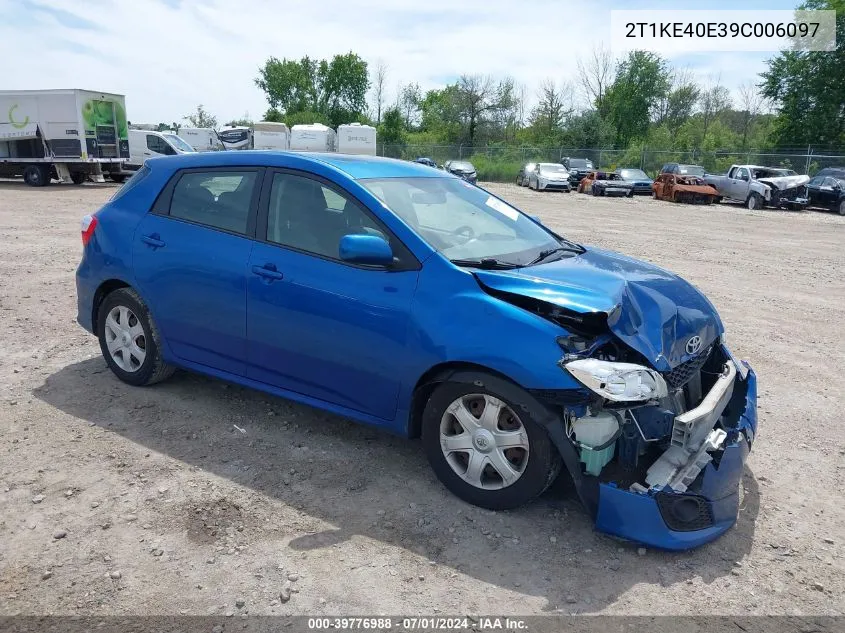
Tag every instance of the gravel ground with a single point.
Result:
(121, 500)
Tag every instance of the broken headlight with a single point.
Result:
(618, 382)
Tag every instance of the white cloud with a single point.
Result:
(168, 56)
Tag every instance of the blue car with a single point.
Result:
(410, 299)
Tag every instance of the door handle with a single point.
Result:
(152, 240)
(267, 272)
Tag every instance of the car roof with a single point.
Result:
(354, 166)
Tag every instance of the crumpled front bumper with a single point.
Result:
(707, 509)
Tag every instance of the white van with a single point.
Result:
(356, 138)
(270, 135)
(202, 139)
(144, 144)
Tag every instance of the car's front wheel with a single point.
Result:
(842, 207)
(129, 339)
(484, 449)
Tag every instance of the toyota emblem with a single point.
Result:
(693, 345)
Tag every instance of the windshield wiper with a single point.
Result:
(490, 263)
(543, 255)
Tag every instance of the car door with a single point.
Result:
(317, 325)
(829, 193)
(190, 258)
(739, 184)
(814, 192)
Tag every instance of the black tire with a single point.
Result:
(78, 177)
(542, 468)
(153, 369)
(842, 207)
(754, 202)
(37, 175)
(118, 178)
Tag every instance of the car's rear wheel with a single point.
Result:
(485, 452)
(842, 207)
(129, 339)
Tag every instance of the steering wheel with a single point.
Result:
(464, 231)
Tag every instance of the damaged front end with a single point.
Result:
(657, 435)
(787, 191)
(661, 454)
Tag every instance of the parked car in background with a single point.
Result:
(605, 183)
(398, 296)
(683, 170)
(549, 177)
(689, 189)
(577, 168)
(462, 169)
(640, 182)
(522, 176)
(757, 186)
(837, 172)
(422, 160)
(827, 191)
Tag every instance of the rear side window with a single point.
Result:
(217, 199)
(133, 182)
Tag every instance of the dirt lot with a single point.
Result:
(120, 500)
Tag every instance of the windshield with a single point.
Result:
(580, 163)
(464, 222)
(633, 174)
(463, 166)
(552, 168)
(691, 170)
(178, 143)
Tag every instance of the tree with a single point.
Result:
(337, 89)
(677, 105)
(714, 100)
(642, 80)
(201, 118)
(597, 73)
(244, 121)
(589, 130)
(390, 132)
(408, 99)
(342, 86)
(379, 87)
(808, 88)
(479, 98)
(554, 107)
(751, 104)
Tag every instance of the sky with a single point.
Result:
(167, 56)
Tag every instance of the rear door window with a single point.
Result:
(217, 199)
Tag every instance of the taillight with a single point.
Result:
(89, 223)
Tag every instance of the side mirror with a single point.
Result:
(365, 249)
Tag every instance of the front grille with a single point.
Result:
(684, 513)
(682, 374)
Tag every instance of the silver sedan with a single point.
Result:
(549, 176)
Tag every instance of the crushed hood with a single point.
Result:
(785, 182)
(653, 311)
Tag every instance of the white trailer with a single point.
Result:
(270, 135)
(356, 138)
(314, 137)
(202, 139)
(236, 137)
(68, 135)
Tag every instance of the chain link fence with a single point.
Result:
(501, 164)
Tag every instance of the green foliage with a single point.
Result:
(201, 118)
(641, 82)
(809, 89)
(335, 89)
(390, 132)
(304, 118)
(503, 169)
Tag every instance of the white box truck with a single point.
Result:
(202, 139)
(68, 135)
(313, 137)
(356, 138)
(270, 135)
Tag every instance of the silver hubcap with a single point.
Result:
(484, 441)
(125, 339)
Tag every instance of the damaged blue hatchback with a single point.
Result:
(407, 298)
